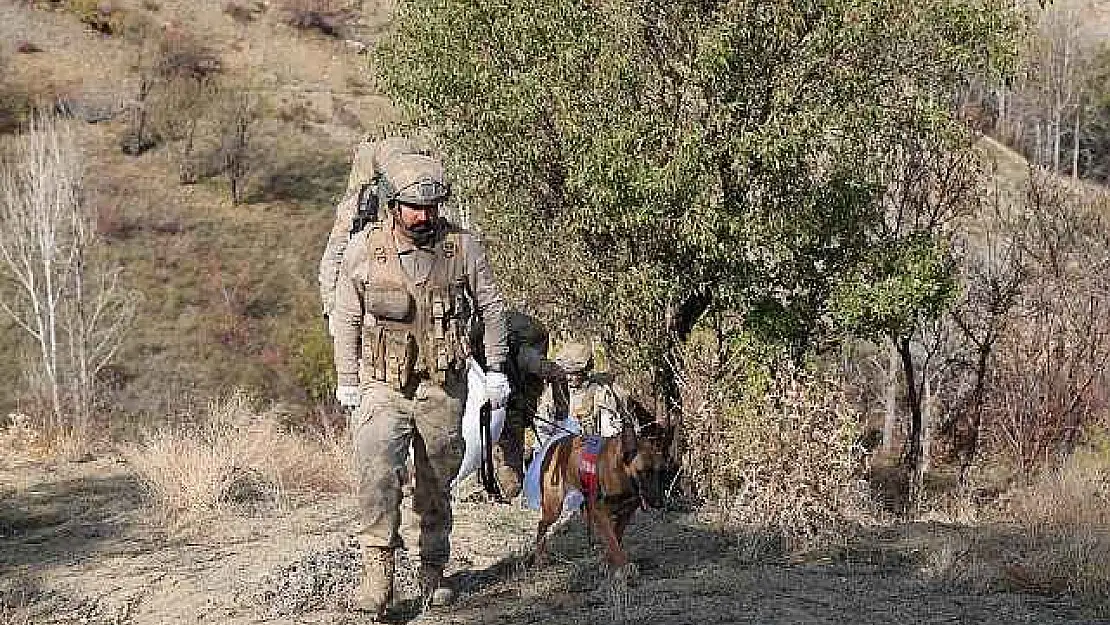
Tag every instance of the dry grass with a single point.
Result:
(234, 460)
(1051, 537)
(775, 452)
(24, 436)
(1065, 516)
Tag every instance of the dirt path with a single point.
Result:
(75, 547)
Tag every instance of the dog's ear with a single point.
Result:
(629, 444)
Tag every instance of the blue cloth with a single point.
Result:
(593, 445)
(532, 477)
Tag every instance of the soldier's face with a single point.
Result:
(576, 379)
(415, 217)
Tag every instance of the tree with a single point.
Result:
(63, 295)
(727, 156)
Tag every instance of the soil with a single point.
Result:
(78, 545)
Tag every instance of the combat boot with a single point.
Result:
(376, 590)
(508, 482)
(436, 593)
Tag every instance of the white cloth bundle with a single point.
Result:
(471, 425)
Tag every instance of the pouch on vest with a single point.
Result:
(440, 352)
(373, 352)
(400, 357)
(393, 304)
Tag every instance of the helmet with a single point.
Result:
(526, 330)
(414, 179)
(370, 156)
(575, 357)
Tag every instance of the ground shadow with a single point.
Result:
(691, 573)
(64, 521)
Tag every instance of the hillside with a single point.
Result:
(193, 515)
(229, 291)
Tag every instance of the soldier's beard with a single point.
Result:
(422, 234)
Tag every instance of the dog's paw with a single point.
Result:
(629, 574)
(538, 560)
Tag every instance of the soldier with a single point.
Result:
(358, 208)
(595, 403)
(410, 290)
(529, 372)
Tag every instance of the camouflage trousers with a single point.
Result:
(509, 451)
(387, 422)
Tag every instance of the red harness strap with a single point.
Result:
(587, 467)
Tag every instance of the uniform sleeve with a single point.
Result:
(546, 412)
(612, 415)
(530, 360)
(490, 304)
(348, 315)
(333, 254)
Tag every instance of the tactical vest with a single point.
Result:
(587, 417)
(415, 331)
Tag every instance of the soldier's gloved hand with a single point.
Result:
(348, 396)
(497, 389)
(551, 371)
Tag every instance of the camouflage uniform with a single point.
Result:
(365, 167)
(404, 309)
(595, 402)
(529, 370)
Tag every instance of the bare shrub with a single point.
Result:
(238, 11)
(184, 56)
(1050, 382)
(177, 71)
(233, 459)
(327, 16)
(67, 299)
(239, 111)
(774, 450)
(99, 15)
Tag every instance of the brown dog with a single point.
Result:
(631, 473)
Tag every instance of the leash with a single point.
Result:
(486, 471)
(554, 424)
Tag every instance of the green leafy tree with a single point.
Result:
(636, 165)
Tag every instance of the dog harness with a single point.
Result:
(587, 466)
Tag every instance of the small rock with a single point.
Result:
(27, 47)
(356, 46)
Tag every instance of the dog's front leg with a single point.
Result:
(549, 513)
(603, 524)
(539, 557)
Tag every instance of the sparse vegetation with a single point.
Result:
(326, 16)
(232, 458)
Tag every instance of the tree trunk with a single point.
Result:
(890, 420)
(1075, 148)
(913, 456)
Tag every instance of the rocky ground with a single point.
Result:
(77, 546)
